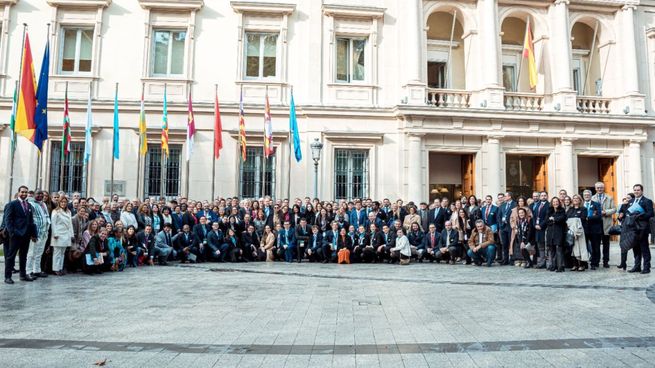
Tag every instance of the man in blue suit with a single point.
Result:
(330, 243)
(505, 232)
(20, 227)
(490, 214)
(287, 241)
(641, 249)
(437, 216)
(357, 216)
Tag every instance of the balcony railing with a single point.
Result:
(593, 104)
(516, 101)
(449, 98)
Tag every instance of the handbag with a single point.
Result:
(570, 238)
(614, 230)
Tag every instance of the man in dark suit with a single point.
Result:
(330, 243)
(437, 216)
(303, 232)
(314, 245)
(430, 244)
(539, 216)
(287, 241)
(200, 233)
(146, 241)
(505, 232)
(388, 242)
(641, 250)
(449, 247)
(593, 228)
(183, 244)
(20, 227)
(215, 241)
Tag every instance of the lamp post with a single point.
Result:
(316, 147)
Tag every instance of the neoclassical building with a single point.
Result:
(410, 99)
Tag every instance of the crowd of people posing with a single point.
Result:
(62, 235)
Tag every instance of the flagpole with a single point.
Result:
(85, 170)
(63, 150)
(591, 59)
(162, 181)
(214, 153)
(188, 161)
(13, 146)
(138, 164)
(113, 155)
(525, 36)
(289, 164)
(264, 156)
(450, 50)
(39, 153)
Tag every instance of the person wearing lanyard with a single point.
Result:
(608, 209)
(481, 244)
(540, 214)
(641, 250)
(594, 228)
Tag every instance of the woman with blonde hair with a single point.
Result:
(267, 248)
(515, 250)
(62, 234)
(412, 218)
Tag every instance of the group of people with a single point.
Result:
(58, 234)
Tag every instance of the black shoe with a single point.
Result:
(635, 269)
(560, 270)
(40, 274)
(622, 266)
(606, 265)
(541, 267)
(27, 278)
(528, 265)
(15, 271)
(594, 268)
(9, 281)
(645, 271)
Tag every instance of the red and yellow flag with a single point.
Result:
(27, 96)
(528, 53)
(218, 128)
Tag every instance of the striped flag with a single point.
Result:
(190, 130)
(26, 95)
(116, 149)
(66, 134)
(164, 127)
(242, 129)
(293, 128)
(143, 129)
(218, 128)
(268, 129)
(12, 121)
(528, 53)
(87, 130)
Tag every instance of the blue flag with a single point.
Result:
(293, 128)
(41, 110)
(116, 131)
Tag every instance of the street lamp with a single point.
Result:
(316, 147)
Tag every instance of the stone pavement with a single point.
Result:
(315, 315)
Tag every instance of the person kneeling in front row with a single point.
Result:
(402, 250)
(481, 244)
(448, 245)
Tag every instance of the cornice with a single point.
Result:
(8, 2)
(262, 7)
(353, 11)
(608, 5)
(189, 5)
(79, 3)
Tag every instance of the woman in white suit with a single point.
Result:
(62, 234)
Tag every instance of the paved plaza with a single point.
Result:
(315, 315)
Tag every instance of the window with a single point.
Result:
(72, 179)
(76, 50)
(350, 174)
(509, 77)
(153, 171)
(168, 52)
(436, 74)
(261, 55)
(577, 81)
(351, 60)
(252, 180)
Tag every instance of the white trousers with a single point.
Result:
(58, 258)
(35, 253)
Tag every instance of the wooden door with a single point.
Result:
(607, 174)
(468, 175)
(540, 171)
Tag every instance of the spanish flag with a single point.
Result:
(143, 129)
(242, 129)
(528, 53)
(27, 95)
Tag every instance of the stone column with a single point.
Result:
(565, 165)
(634, 164)
(414, 88)
(633, 102)
(414, 172)
(491, 90)
(564, 97)
(492, 177)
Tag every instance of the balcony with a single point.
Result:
(517, 101)
(593, 104)
(448, 98)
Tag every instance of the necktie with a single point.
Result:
(486, 213)
(432, 240)
(436, 213)
(448, 238)
(168, 239)
(24, 206)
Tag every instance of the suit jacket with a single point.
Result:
(427, 240)
(438, 216)
(607, 205)
(375, 239)
(303, 233)
(356, 219)
(331, 238)
(215, 240)
(248, 239)
(415, 238)
(539, 218)
(505, 212)
(643, 218)
(424, 214)
(315, 241)
(443, 238)
(181, 240)
(146, 242)
(389, 240)
(594, 218)
(199, 235)
(161, 241)
(188, 219)
(285, 237)
(344, 242)
(490, 217)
